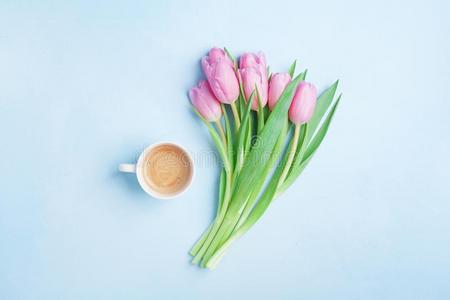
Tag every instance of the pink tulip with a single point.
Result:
(205, 102)
(216, 54)
(253, 72)
(278, 83)
(219, 71)
(303, 104)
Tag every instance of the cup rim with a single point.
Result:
(143, 183)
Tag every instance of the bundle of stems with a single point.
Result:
(262, 154)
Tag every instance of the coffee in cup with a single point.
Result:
(164, 170)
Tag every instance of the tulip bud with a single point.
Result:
(216, 54)
(205, 102)
(278, 83)
(253, 72)
(303, 103)
(219, 71)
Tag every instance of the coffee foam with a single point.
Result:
(167, 169)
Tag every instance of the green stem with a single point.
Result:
(222, 234)
(291, 154)
(221, 147)
(266, 198)
(217, 256)
(221, 132)
(200, 241)
(217, 222)
(237, 120)
(221, 195)
(260, 111)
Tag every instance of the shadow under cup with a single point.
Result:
(167, 170)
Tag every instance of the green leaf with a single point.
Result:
(323, 103)
(274, 157)
(257, 211)
(241, 140)
(292, 69)
(231, 57)
(265, 199)
(318, 138)
(312, 125)
(310, 149)
(304, 74)
(220, 148)
(217, 141)
(268, 138)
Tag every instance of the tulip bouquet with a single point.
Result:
(272, 126)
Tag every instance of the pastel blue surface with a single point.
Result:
(85, 86)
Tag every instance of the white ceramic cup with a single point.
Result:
(138, 169)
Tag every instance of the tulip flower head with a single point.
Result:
(303, 103)
(219, 71)
(278, 83)
(253, 72)
(203, 99)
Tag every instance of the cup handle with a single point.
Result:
(127, 168)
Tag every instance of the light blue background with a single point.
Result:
(85, 86)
